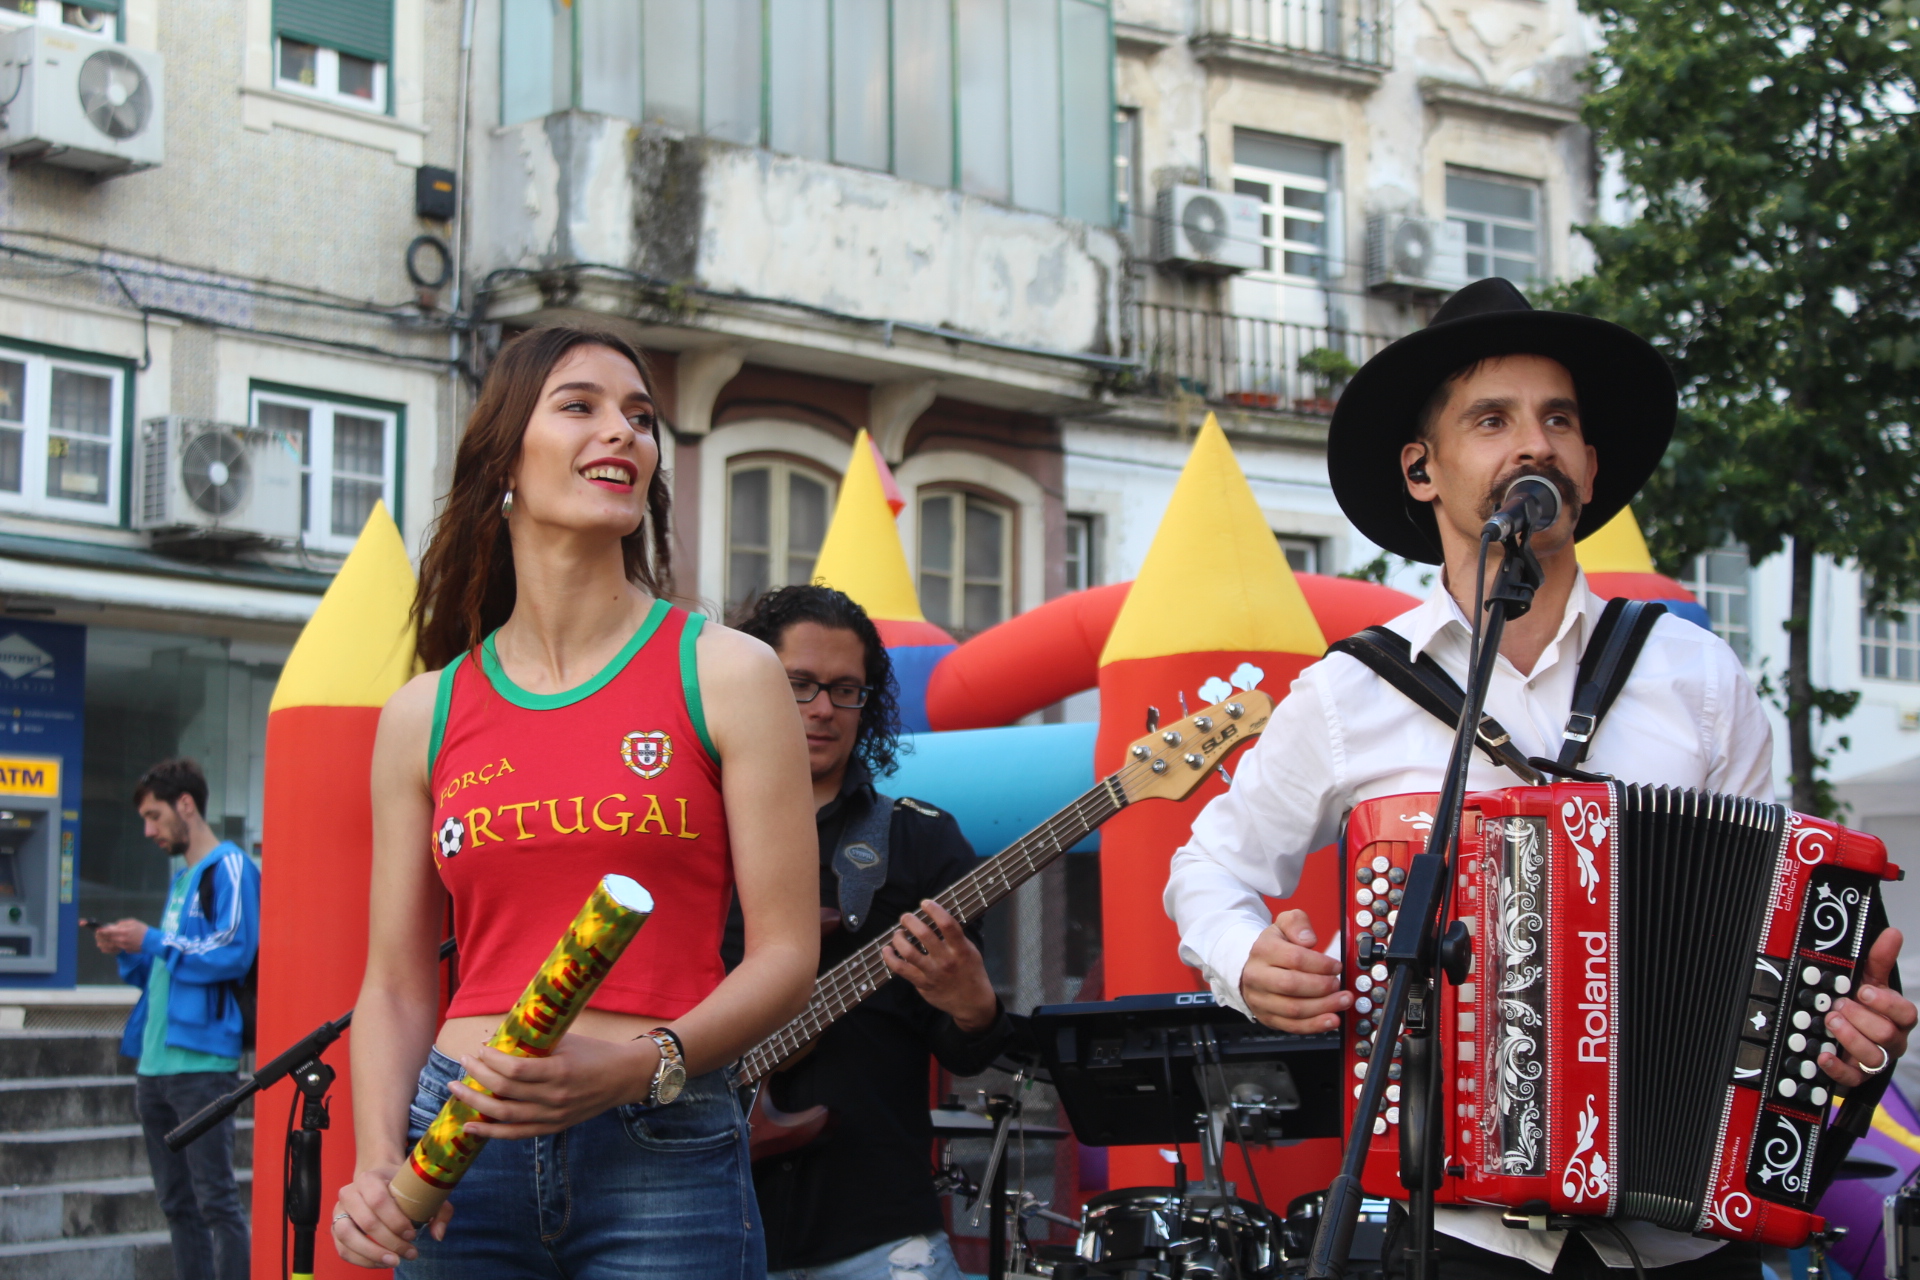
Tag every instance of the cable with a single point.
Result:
(1620, 1238)
(286, 1179)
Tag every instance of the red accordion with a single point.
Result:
(1640, 1030)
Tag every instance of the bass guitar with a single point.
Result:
(1167, 764)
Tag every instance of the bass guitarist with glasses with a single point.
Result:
(857, 1202)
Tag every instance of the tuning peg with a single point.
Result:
(1224, 775)
(1183, 704)
(1153, 719)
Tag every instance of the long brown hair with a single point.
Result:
(466, 575)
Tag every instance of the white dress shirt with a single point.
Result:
(1687, 716)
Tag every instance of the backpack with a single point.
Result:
(245, 991)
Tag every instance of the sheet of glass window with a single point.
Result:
(799, 59)
(1033, 49)
(923, 90)
(981, 29)
(1086, 82)
(609, 63)
(670, 60)
(861, 132)
(732, 57)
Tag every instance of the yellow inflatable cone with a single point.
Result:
(317, 843)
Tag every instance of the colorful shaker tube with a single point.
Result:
(612, 916)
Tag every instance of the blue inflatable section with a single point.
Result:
(913, 666)
(1692, 612)
(998, 783)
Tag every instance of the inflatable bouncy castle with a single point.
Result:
(355, 653)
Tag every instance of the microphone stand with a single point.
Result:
(1423, 940)
(300, 1199)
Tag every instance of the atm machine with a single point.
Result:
(30, 934)
(42, 713)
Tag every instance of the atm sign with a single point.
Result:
(29, 776)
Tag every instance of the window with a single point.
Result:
(1501, 218)
(966, 562)
(1007, 99)
(1890, 645)
(1293, 182)
(777, 514)
(1127, 192)
(347, 459)
(100, 17)
(1720, 581)
(60, 437)
(1303, 554)
(334, 50)
(1083, 560)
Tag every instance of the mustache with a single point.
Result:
(1569, 495)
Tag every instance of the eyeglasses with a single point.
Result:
(850, 697)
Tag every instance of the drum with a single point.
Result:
(1148, 1231)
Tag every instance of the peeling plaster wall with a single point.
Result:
(582, 188)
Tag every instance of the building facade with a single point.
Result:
(213, 363)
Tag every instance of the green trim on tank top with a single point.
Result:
(442, 701)
(690, 681)
(506, 688)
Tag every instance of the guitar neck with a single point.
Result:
(966, 899)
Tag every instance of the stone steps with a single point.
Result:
(145, 1255)
(76, 1195)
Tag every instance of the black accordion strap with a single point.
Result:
(1427, 685)
(1608, 660)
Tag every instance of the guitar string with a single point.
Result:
(854, 979)
(857, 977)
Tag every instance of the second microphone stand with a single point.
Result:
(1422, 941)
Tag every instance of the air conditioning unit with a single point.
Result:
(215, 479)
(1415, 253)
(80, 101)
(1208, 232)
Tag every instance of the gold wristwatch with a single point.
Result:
(670, 1077)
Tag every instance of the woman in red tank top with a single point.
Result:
(572, 724)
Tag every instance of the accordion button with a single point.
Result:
(1363, 1005)
(1362, 1049)
(1393, 917)
(1364, 919)
(1360, 1070)
(1393, 1115)
(1366, 1027)
(1829, 1046)
(1363, 983)
(1393, 1071)
(1357, 1089)
(1797, 1043)
(1379, 928)
(1379, 973)
(1807, 1068)
(1817, 1096)
(1398, 875)
(1394, 896)
(1363, 873)
(1802, 1019)
(1789, 1087)
(1380, 864)
(1379, 887)
(1393, 1093)
(1364, 897)
(1379, 1124)
(1842, 984)
(1821, 1002)
(1811, 975)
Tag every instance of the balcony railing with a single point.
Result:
(1243, 361)
(1349, 30)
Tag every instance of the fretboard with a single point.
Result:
(865, 972)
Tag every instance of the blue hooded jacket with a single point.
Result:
(203, 957)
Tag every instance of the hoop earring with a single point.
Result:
(506, 505)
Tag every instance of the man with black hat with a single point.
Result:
(1425, 442)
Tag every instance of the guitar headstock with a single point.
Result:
(1174, 759)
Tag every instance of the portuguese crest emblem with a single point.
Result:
(647, 754)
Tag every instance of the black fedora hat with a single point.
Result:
(1627, 406)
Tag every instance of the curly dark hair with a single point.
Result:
(878, 745)
(171, 779)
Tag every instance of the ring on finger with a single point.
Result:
(1886, 1060)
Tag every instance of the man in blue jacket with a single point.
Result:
(186, 1030)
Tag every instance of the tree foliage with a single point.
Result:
(1770, 152)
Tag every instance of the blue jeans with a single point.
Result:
(634, 1191)
(915, 1258)
(195, 1187)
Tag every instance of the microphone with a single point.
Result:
(1533, 504)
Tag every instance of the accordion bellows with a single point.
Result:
(1639, 1035)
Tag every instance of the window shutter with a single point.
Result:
(363, 28)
